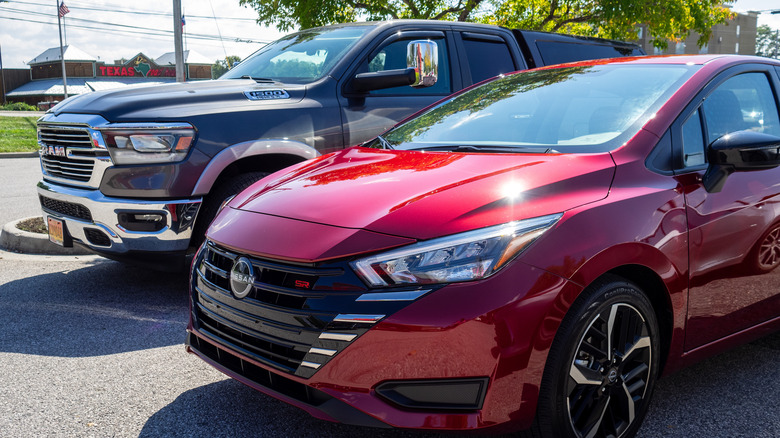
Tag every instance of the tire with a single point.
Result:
(765, 256)
(602, 366)
(214, 200)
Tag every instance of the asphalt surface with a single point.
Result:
(92, 347)
(18, 198)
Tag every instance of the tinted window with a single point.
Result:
(565, 109)
(393, 56)
(743, 102)
(487, 59)
(693, 141)
(557, 52)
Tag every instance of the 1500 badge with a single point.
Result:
(266, 94)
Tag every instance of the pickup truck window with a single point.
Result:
(559, 52)
(487, 59)
(301, 57)
(575, 109)
(393, 56)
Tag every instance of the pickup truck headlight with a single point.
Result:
(472, 255)
(135, 143)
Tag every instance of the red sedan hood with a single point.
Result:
(422, 195)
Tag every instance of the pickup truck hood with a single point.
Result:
(178, 100)
(422, 195)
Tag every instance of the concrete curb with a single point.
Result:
(33, 154)
(16, 240)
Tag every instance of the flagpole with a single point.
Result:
(62, 51)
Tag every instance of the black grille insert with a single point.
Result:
(71, 209)
(97, 237)
(275, 324)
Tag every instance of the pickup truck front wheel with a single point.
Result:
(214, 200)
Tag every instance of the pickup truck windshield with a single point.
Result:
(574, 109)
(299, 58)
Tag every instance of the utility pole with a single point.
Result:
(62, 52)
(2, 74)
(177, 45)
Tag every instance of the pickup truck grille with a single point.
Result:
(67, 153)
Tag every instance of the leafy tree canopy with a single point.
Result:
(292, 14)
(768, 42)
(667, 19)
(220, 67)
(618, 19)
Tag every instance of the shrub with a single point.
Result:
(18, 106)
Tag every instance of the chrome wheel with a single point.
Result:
(609, 375)
(769, 251)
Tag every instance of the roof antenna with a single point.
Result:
(220, 35)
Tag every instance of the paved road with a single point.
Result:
(18, 198)
(91, 347)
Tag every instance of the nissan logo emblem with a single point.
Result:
(242, 277)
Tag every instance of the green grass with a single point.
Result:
(17, 134)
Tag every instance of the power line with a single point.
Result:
(108, 26)
(74, 6)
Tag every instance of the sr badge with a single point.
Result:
(242, 277)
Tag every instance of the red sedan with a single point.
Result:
(533, 252)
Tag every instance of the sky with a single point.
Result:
(122, 29)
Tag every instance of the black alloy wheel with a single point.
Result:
(603, 364)
(609, 373)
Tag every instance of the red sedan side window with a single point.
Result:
(743, 102)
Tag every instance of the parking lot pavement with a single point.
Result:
(18, 198)
(92, 347)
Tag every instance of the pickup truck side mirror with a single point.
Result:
(422, 60)
(739, 151)
(423, 57)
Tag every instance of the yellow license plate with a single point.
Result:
(56, 234)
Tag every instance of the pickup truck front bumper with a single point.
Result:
(119, 228)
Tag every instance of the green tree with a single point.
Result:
(220, 67)
(618, 19)
(293, 14)
(768, 42)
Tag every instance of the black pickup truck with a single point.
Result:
(138, 174)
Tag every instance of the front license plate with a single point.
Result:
(56, 233)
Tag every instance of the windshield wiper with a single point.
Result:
(385, 144)
(490, 149)
(256, 79)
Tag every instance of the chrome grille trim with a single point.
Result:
(345, 337)
(393, 296)
(82, 164)
(352, 318)
(323, 351)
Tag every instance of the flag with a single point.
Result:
(63, 9)
(183, 23)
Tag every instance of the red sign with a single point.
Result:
(108, 70)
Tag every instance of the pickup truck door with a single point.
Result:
(366, 115)
(733, 246)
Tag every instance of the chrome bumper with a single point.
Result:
(175, 236)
